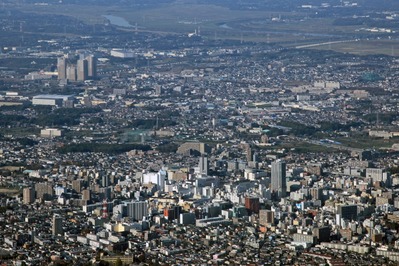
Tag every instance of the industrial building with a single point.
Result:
(53, 100)
(122, 53)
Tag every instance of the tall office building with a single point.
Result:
(62, 68)
(82, 70)
(203, 165)
(57, 225)
(278, 178)
(92, 66)
(28, 195)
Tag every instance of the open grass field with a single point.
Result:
(364, 47)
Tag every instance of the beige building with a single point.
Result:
(50, 133)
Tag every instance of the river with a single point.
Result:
(118, 21)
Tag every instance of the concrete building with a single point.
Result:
(122, 53)
(82, 70)
(52, 99)
(28, 195)
(278, 178)
(322, 233)
(316, 193)
(77, 185)
(71, 73)
(136, 210)
(50, 133)
(189, 147)
(348, 212)
(266, 217)
(252, 204)
(44, 191)
(57, 225)
(86, 194)
(155, 178)
(187, 218)
(203, 165)
(92, 66)
(62, 68)
(248, 152)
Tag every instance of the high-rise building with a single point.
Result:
(62, 68)
(316, 193)
(86, 67)
(158, 89)
(169, 214)
(82, 70)
(278, 178)
(348, 212)
(322, 233)
(105, 193)
(77, 185)
(252, 204)
(137, 209)
(266, 217)
(92, 66)
(105, 180)
(28, 195)
(203, 165)
(255, 157)
(249, 153)
(44, 191)
(86, 194)
(71, 72)
(57, 225)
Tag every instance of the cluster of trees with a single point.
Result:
(26, 141)
(64, 116)
(8, 120)
(46, 116)
(168, 147)
(299, 128)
